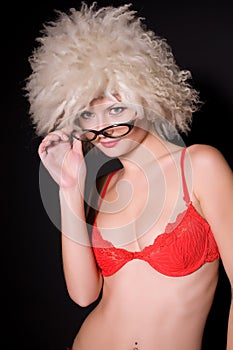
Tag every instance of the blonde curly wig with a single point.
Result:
(87, 53)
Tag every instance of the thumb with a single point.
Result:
(77, 146)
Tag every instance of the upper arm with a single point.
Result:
(213, 186)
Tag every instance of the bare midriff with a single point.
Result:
(141, 309)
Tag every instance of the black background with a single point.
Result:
(38, 311)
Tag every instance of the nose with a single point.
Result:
(101, 135)
(109, 131)
(100, 124)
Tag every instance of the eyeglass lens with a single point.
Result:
(111, 132)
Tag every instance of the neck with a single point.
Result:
(148, 152)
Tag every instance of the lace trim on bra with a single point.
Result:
(184, 246)
(166, 236)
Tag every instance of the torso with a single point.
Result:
(158, 312)
(140, 307)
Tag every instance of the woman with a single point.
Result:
(101, 80)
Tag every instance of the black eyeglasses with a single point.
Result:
(114, 131)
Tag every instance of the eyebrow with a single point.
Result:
(107, 109)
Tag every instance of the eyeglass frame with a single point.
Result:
(130, 125)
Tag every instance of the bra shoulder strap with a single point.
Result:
(186, 196)
(105, 187)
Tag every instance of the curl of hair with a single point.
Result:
(88, 53)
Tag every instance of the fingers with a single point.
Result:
(52, 139)
(56, 136)
(77, 146)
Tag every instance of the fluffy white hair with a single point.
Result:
(87, 53)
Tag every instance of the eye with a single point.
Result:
(117, 110)
(87, 115)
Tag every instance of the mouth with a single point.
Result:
(109, 144)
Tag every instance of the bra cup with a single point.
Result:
(186, 244)
(177, 253)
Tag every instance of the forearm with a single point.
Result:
(82, 276)
(230, 329)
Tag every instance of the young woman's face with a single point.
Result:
(123, 131)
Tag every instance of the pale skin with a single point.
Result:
(140, 308)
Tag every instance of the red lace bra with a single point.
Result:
(184, 247)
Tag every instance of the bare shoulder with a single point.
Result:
(206, 157)
(203, 152)
(212, 175)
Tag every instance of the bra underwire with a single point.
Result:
(183, 248)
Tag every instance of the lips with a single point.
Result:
(109, 144)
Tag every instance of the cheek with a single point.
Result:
(138, 134)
